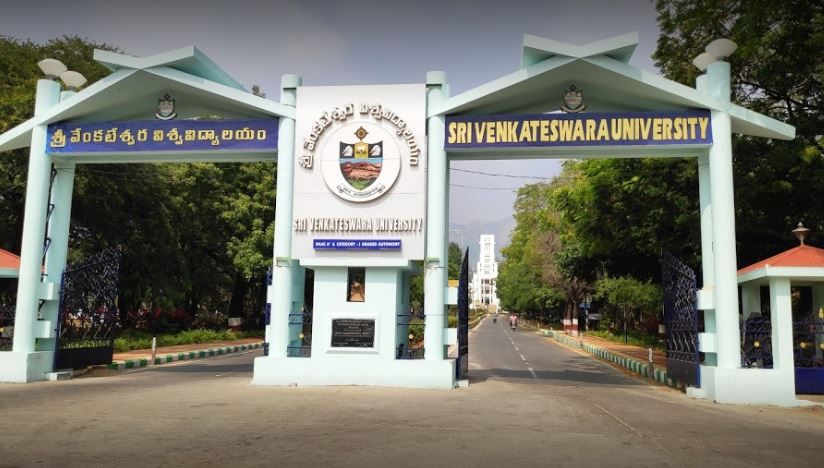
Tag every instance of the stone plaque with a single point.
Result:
(353, 333)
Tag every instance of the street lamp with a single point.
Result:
(54, 69)
(73, 80)
(716, 51)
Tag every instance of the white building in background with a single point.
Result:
(485, 276)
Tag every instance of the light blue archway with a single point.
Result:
(613, 89)
(122, 104)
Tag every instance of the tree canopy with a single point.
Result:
(196, 238)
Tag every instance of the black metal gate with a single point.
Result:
(6, 326)
(681, 321)
(462, 364)
(88, 313)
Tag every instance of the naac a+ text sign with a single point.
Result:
(360, 177)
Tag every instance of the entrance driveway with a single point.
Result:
(530, 403)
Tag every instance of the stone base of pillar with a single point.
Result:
(22, 367)
(340, 370)
(749, 386)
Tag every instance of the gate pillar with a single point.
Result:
(22, 364)
(285, 269)
(436, 192)
(723, 222)
(58, 248)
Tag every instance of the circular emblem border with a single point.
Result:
(330, 163)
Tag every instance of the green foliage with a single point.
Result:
(194, 236)
(131, 340)
(777, 70)
(455, 258)
(629, 295)
(634, 337)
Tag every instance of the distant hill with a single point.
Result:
(471, 234)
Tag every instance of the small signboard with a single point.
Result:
(356, 244)
(353, 333)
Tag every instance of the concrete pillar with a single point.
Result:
(750, 299)
(284, 267)
(58, 232)
(705, 207)
(436, 231)
(705, 203)
(723, 221)
(781, 317)
(34, 223)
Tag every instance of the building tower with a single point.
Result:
(484, 281)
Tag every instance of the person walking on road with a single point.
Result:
(513, 321)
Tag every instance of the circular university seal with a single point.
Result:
(360, 161)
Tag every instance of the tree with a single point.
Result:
(194, 237)
(777, 70)
(632, 300)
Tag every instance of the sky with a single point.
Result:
(357, 42)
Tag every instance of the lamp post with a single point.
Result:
(717, 206)
(34, 221)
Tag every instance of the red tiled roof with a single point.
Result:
(9, 261)
(803, 256)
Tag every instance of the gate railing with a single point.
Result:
(681, 321)
(89, 316)
(808, 341)
(302, 346)
(403, 322)
(6, 326)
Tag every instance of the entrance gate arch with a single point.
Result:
(527, 114)
(582, 101)
(113, 121)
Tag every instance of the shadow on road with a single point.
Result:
(595, 378)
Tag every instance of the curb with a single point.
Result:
(184, 356)
(641, 368)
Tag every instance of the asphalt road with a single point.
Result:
(531, 402)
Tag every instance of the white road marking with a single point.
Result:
(534, 375)
(522, 357)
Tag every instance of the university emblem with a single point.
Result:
(166, 108)
(361, 162)
(573, 100)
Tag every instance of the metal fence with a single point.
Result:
(6, 326)
(404, 321)
(302, 321)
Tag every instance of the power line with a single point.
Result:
(514, 176)
(484, 188)
(500, 175)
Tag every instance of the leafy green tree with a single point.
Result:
(195, 237)
(633, 302)
(777, 70)
(18, 81)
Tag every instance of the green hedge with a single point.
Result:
(130, 340)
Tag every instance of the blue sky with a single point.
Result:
(354, 42)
